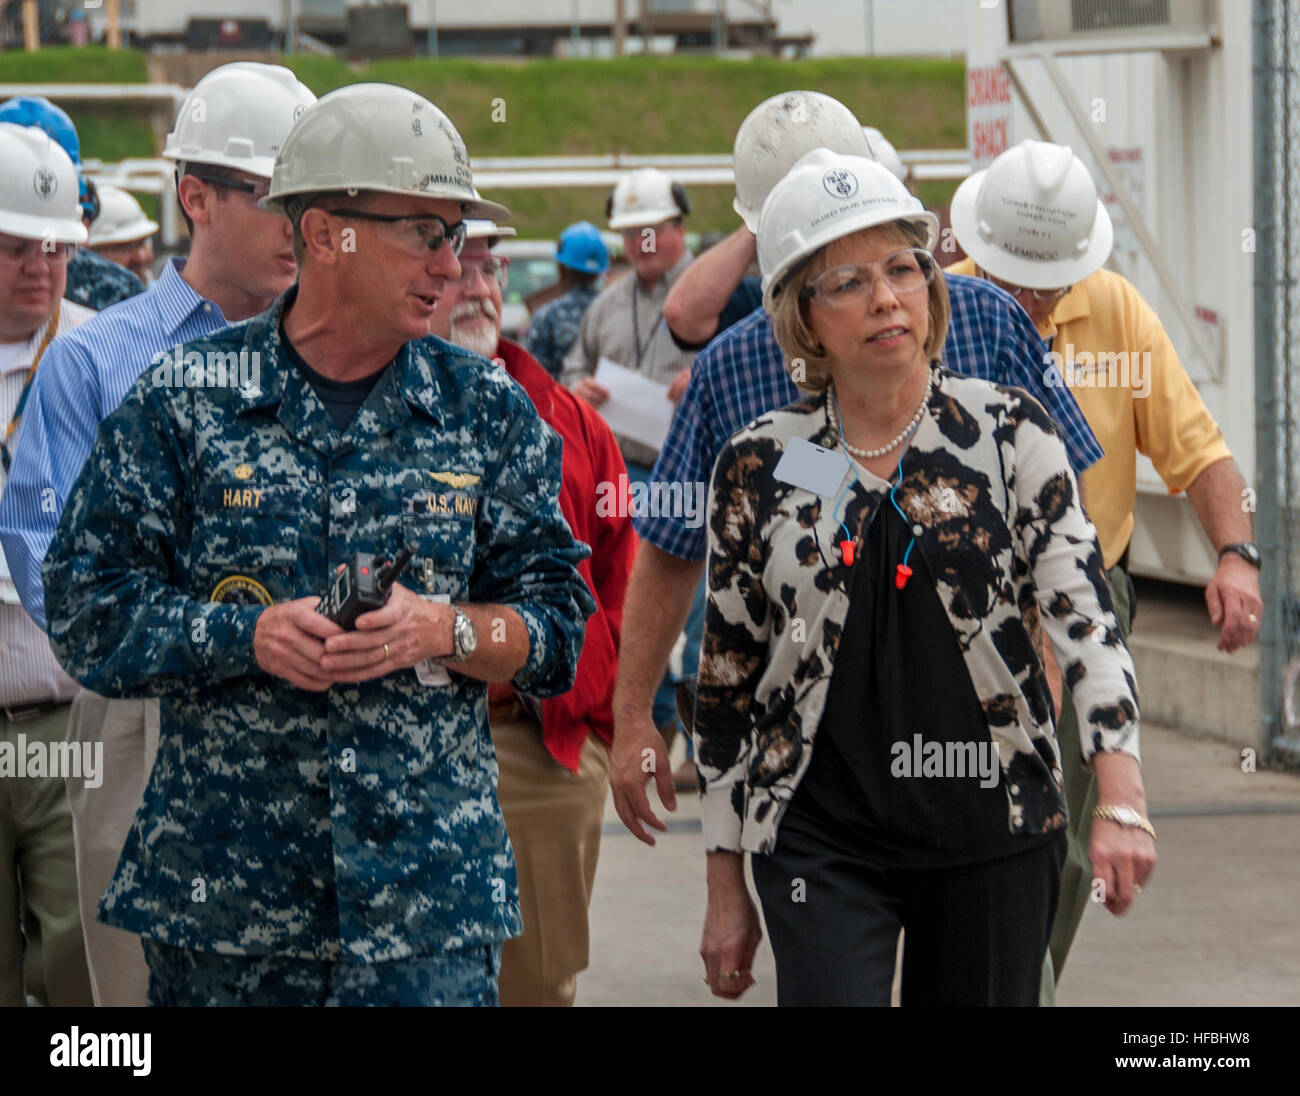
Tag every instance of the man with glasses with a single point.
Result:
(554, 755)
(40, 226)
(226, 136)
(1110, 351)
(93, 280)
(321, 825)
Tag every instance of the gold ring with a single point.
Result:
(1253, 618)
(1137, 889)
(385, 652)
(730, 975)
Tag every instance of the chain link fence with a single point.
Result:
(1277, 368)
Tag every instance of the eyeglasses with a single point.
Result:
(1043, 296)
(905, 271)
(14, 253)
(414, 233)
(257, 190)
(494, 268)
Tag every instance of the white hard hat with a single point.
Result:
(478, 228)
(378, 137)
(120, 219)
(645, 197)
(238, 116)
(884, 152)
(827, 196)
(1033, 218)
(39, 197)
(780, 130)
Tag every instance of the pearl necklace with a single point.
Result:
(869, 454)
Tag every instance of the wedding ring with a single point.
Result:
(1253, 618)
(385, 652)
(730, 975)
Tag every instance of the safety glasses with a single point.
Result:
(1043, 296)
(414, 233)
(15, 252)
(905, 271)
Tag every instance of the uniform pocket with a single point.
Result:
(245, 547)
(444, 553)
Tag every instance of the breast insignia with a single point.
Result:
(243, 471)
(457, 480)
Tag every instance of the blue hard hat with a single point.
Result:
(36, 110)
(582, 249)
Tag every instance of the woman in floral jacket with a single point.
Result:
(873, 720)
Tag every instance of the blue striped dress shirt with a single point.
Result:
(741, 375)
(80, 381)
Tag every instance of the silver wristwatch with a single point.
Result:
(464, 639)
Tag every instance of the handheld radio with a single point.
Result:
(361, 586)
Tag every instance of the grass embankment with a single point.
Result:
(552, 108)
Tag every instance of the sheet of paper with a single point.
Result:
(637, 408)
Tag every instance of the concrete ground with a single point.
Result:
(1216, 925)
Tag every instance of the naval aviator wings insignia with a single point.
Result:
(457, 480)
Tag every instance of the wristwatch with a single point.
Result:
(1125, 816)
(1247, 550)
(464, 639)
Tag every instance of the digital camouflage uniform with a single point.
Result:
(97, 282)
(555, 327)
(356, 825)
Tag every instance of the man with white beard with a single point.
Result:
(553, 754)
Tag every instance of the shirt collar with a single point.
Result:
(176, 299)
(24, 360)
(1073, 306)
(415, 367)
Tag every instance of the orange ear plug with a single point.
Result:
(846, 551)
(903, 574)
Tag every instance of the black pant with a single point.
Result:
(976, 934)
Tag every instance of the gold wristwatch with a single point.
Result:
(1125, 816)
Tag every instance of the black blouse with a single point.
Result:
(904, 769)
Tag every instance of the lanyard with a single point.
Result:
(51, 330)
(636, 328)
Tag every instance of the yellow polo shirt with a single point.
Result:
(1136, 397)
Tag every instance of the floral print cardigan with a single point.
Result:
(987, 481)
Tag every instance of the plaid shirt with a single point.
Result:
(742, 375)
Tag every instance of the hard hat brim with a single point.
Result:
(55, 229)
(141, 230)
(746, 214)
(478, 209)
(644, 219)
(1026, 273)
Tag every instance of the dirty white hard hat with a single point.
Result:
(645, 197)
(883, 150)
(120, 219)
(380, 138)
(39, 196)
(237, 117)
(780, 130)
(1033, 218)
(825, 197)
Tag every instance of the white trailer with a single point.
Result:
(1156, 96)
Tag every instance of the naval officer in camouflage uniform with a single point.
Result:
(321, 824)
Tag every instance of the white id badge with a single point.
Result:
(428, 672)
(811, 467)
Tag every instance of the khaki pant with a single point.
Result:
(101, 821)
(554, 818)
(41, 948)
(1080, 798)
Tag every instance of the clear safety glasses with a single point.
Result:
(905, 271)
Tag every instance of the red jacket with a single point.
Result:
(591, 457)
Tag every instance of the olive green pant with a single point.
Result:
(1080, 798)
(42, 953)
